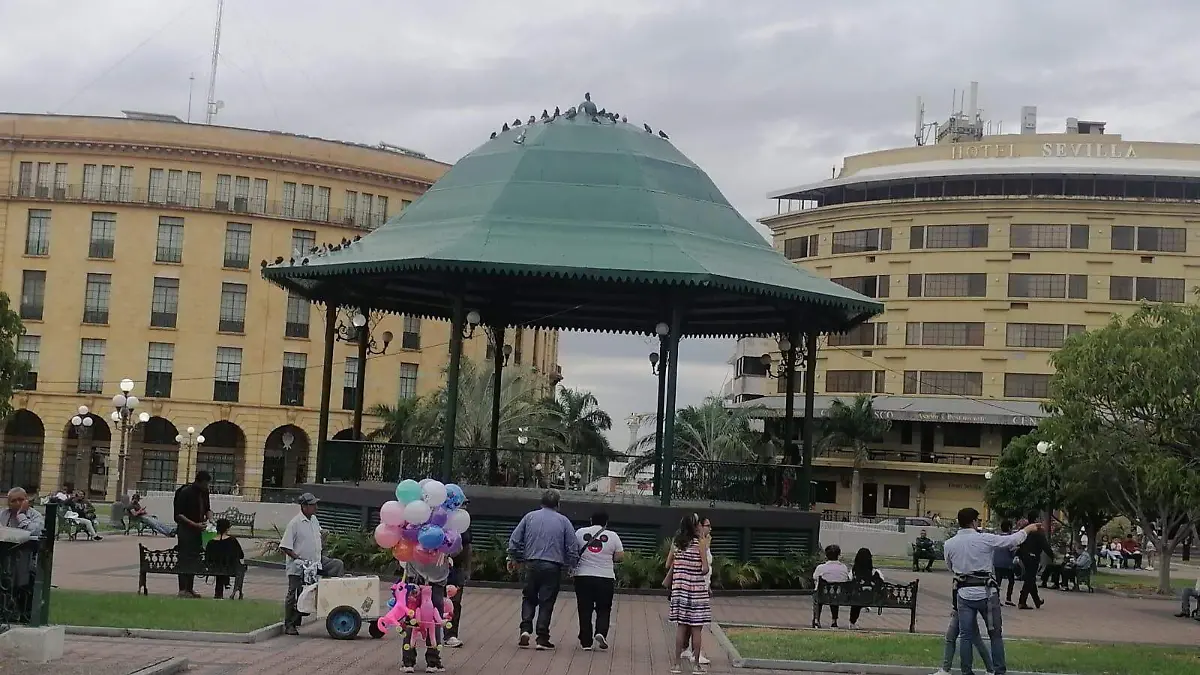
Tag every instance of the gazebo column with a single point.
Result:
(659, 415)
(326, 384)
(810, 387)
(497, 384)
(457, 322)
(789, 404)
(668, 418)
(360, 383)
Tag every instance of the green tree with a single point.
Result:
(1063, 480)
(1128, 397)
(581, 427)
(12, 368)
(852, 426)
(709, 432)
(412, 420)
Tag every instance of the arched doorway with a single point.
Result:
(21, 454)
(223, 455)
(153, 456)
(285, 458)
(96, 442)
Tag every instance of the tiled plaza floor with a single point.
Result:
(640, 640)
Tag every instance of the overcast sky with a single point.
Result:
(762, 94)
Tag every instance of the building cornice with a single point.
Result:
(153, 150)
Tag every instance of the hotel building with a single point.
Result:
(131, 249)
(989, 251)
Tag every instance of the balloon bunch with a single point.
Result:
(424, 522)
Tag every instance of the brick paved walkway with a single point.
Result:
(640, 640)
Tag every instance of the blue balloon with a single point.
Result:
(431, 537)
(391, 603)
(455, 497)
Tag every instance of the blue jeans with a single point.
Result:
(952, 640)
(969, 612)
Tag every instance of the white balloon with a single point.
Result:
(417, 513)
(459, 521)
(434, 493)
(424, 481)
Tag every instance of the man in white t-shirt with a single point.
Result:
(596, 579)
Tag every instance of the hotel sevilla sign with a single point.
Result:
(1059, 150)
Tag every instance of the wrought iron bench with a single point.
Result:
(237, 518)
(167, 562)
(879, 594)
(71, 527)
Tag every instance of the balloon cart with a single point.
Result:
(347, 603)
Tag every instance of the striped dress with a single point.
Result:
(691, 599)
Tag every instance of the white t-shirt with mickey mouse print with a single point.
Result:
(599, 545)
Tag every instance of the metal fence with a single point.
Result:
(226, 491)
(25, 571)
(370, 461)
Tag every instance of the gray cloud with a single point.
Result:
(761, 94)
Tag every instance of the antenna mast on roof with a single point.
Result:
(214, 105)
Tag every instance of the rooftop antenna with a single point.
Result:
(919, 136)
(214, 105)
(191, 85)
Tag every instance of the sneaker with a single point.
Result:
(523, 641)
(408, 669)
(435, 669)
(543, 644)
(453, 642)
(675, 669)
(942, 671)
(291, 630)
(833, 625)
(601, 641)
(97, 538)
(703, 660)
(687, 654)
(586, 648)
(853, 626)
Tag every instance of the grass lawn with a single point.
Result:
(166, 612)
(926, 650)
(1138, 583)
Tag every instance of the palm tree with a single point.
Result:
(412, 420)
(524, 416)
(582, 425)
(709, 432)
(852, 426)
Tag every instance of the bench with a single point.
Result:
(872, 593)
(71, 527)
(168, 562)
(132, 524)
(939, 553)
(237, 518)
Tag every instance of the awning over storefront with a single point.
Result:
(922, 409)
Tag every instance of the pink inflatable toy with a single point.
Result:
(401, 612)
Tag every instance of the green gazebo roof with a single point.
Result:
(577, 221)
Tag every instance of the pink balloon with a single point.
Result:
(386, 535)
(392, 513)
(425, 556)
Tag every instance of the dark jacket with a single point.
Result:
(191, 501)
(1034, 546)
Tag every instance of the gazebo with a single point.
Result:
(579, 220)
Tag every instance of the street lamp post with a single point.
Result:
(1044, 448)
(189, 443)
(358, 332)
(658, 366)
(125, 421)
(82, 421)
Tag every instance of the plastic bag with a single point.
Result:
(306, 603)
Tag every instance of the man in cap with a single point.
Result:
(302, 542)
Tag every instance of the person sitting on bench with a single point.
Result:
(923, 550)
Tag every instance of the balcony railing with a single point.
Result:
(368, 461)
(162, 198)
(940, 457)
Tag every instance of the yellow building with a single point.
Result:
(132, 247)
(988, 252)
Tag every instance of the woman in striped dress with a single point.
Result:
(687, 578)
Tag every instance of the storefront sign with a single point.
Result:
(1065, 150)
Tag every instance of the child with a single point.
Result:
(434, 575)
(223, 551)
(832, 571)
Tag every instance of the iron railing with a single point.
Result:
(372, 461)
(234, 206)
(915, 457)
(227, 490)
(25, 571)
